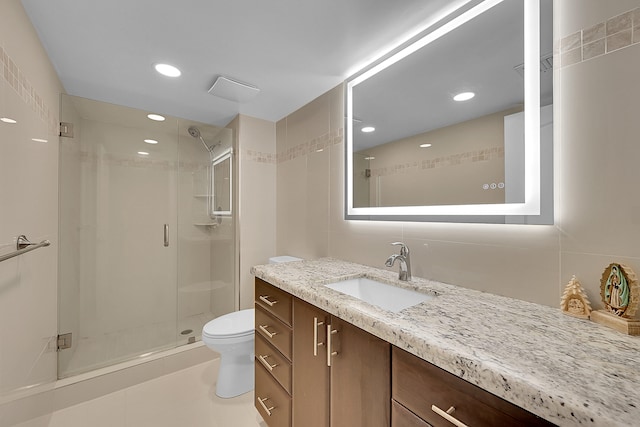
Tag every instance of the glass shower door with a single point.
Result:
(118, 234)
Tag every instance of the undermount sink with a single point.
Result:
(388, 297)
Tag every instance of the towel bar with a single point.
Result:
(23, 245)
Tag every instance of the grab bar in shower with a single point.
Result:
(23, 245)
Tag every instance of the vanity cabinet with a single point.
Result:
(423, 394)
(316, 370)
(341, 374)
(273, 344)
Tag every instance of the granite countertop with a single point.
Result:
(566, 370)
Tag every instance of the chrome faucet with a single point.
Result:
(404, 259)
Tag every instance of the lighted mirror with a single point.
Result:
(413, 152)
(221, 189)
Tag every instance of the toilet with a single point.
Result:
(232, 335)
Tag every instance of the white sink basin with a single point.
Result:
(385, 296)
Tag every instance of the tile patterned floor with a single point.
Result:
(182, 399)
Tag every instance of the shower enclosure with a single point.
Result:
(144, 261)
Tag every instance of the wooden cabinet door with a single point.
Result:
(360, 378)
(310, 370)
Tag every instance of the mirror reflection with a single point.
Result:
(221, 184)
(444, 125)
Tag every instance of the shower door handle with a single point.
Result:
(166, 235)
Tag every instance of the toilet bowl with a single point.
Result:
(232, 335)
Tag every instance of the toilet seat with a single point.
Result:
(233, 325)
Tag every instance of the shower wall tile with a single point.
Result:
(29, 93)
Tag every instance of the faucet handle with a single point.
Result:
(404, 250)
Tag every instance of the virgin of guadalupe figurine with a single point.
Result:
(616, 291)
(620, 293)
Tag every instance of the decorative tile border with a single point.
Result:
(316, 144)
(17, 80)
(605, 37)
(92, 159)
(260, 157)
(483, 155)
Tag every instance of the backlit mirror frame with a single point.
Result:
(471, 212)
(224, 156)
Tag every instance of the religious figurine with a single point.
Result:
(616, 292)
(618, 284)
(574, 301)
(620, 295)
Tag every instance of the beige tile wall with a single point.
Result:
(609, 35)
(257, 181)
(29, 93)
(596, 154)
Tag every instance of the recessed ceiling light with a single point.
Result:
(464, 96)
(168, 70)
(368, 129)
(156, 117)
(425, 145)
(150, 141)
(320, 150)
(143, 153)
(39, 140)
(7, 120)
(370, 158)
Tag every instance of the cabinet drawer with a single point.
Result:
(274, 300)
(273, 403)
(402, 417)
(418, 385)
(273, 331)
(271, 359)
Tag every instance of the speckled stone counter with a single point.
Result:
(566, 370)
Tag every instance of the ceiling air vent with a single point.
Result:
(233, 90)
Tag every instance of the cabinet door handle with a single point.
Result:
(329, 352)
(263, 328)
(166, 235)
(316, 344)
(267, 410)
(447, 415)
(266, 364)
(265, 299)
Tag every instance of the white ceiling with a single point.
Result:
(293, 50)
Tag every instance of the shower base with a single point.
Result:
(91, 353)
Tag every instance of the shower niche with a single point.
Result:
(144, 261)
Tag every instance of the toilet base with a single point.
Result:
(235, 376)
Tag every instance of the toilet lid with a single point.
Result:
(236, 324)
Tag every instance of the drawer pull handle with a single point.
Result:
(447, 415)
(267, 410)
(265, 299)
(329, 352)
(263, 328)
(266, 364)
(316, 344)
